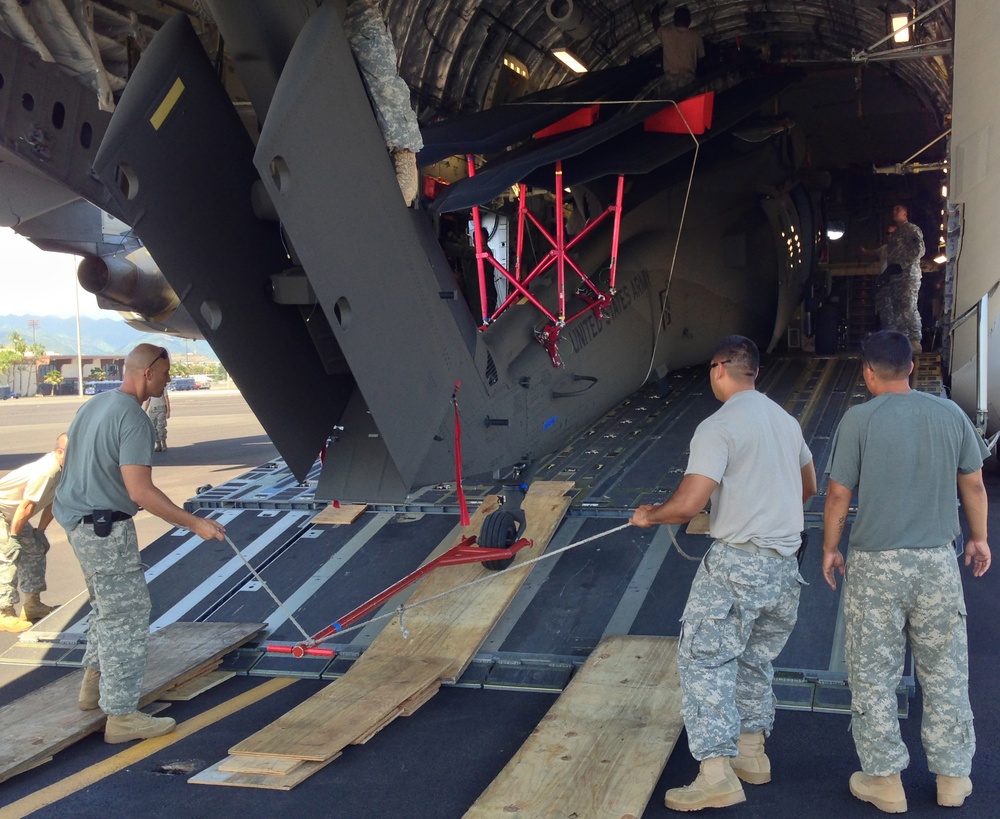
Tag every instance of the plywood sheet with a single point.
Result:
(348, 513)
(602, 747)
(343, 712)
(214, 776)
(452, 628)
(399, 672)
(44, 722)
(198, 685)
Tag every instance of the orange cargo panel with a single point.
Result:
(696, 110)
(581, 118)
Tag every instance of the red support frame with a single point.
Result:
(465, 551)
(597, 300)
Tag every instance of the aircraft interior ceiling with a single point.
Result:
(449, 51)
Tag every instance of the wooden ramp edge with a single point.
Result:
(601, 748)
(46, 721)
(397, 674)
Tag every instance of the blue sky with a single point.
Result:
(33, 282)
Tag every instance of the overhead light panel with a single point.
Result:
(901, 28)
(568, 59)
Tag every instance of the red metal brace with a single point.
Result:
(465, 551)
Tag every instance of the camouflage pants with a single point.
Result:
(22, 563)
(158, 418)
(889, 596)
(896, 303)
(739, 614)
(118, 632)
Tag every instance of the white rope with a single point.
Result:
(266, 588)
(677, 546)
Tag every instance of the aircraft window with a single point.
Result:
(128, 182)
(342, 312)
(280, 174)
(28, 102)
(58, 115)
(86, 134)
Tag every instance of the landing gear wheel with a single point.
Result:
(499, 532)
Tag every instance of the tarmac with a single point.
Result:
(437, 762)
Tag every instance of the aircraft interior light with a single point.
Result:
(944, 191)
(835, 230)
(901, 28)
(941, 258)
(569, 60)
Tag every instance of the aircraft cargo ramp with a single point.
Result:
(633, 582)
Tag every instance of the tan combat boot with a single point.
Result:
(137, 725)
(9, 621)
(952, 790)
(90, 689)
(715, 787)
(884, 792)
(751, 763)
(34, 608)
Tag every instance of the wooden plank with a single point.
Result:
(214, 776)
(408, 708)
(259, 765)
(347, 513)
(192, 688)
(602, 746)
(342, 713)
(47, 720)
(394, 674)
(454, 627)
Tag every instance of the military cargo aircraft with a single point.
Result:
(279, 234)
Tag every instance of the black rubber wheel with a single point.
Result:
(499, 532)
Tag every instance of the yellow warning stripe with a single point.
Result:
(168, 104)
(140, 751)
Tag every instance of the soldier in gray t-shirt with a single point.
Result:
(106, 479)
(909, 455)
(750, 459)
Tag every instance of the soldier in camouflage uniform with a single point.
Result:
(744, 599)
(897, 298)
(106, 478)
(375, 55)
(23, 547)
(902, 575)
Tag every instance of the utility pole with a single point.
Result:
(33, 323)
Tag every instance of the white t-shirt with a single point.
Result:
(755, 451)
(36, 482)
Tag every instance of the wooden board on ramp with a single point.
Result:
(399, 672)
(601, 748)
(40, 724)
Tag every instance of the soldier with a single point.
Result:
(372, 47)
(744, 599)
(897, 299)
(682, 48)
(23, 548)
(107, 477)
(158, 410)
(902, 576)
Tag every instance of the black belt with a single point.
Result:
(115, 517)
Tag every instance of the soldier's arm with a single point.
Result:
(838, 504)
(25, 509)
(975, 503)
(687, 501)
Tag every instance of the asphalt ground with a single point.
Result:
(437, 762)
